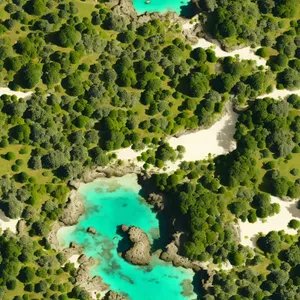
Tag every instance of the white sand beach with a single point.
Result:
(8, 91)
(288, 211)
(62, 233)
(74, 259)
(7, 223)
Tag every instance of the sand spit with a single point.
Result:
(288, 211)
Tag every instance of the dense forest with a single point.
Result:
(101, 83)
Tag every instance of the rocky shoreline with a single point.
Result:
(71, 214)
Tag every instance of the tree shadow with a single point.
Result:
(189, 10)
(294, 210)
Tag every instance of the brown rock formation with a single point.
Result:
(91, 230)
(73, 210)
(139, 253)
(111, 295)
(157, 201)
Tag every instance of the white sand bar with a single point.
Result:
(8, 91)
(288, 211)
(7, 223)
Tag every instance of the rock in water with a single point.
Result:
(157, 201)
(91, 230)
(139, 253)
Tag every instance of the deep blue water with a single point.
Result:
(110, 203)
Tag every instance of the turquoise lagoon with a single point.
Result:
(109, 203)
(161, 6)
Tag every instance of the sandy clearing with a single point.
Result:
(7, 223)
(288, 211)
(216, 140)
(245, 53)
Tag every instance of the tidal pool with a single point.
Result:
(109, 203)
(178, 6)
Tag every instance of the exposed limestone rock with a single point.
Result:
(157, 201)
(91, 230)
(84, 280)
(171, 255)
(139, 254)
(111, 295)
(73, 210)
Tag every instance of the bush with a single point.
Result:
(295, 224)
(10, 156)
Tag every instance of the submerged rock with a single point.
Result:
(91, 230)
(139, 253)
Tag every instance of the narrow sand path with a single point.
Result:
(288, 211)
(279, 94)
(8, 91)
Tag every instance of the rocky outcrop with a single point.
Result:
(139, 253)
(125, 9)
(91, 230)
(157, 201)
(84, 279)
(111, 295)
(73, 210)
(171, 255)
(107, 172)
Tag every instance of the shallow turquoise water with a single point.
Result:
(109, 205)
(159, 6)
